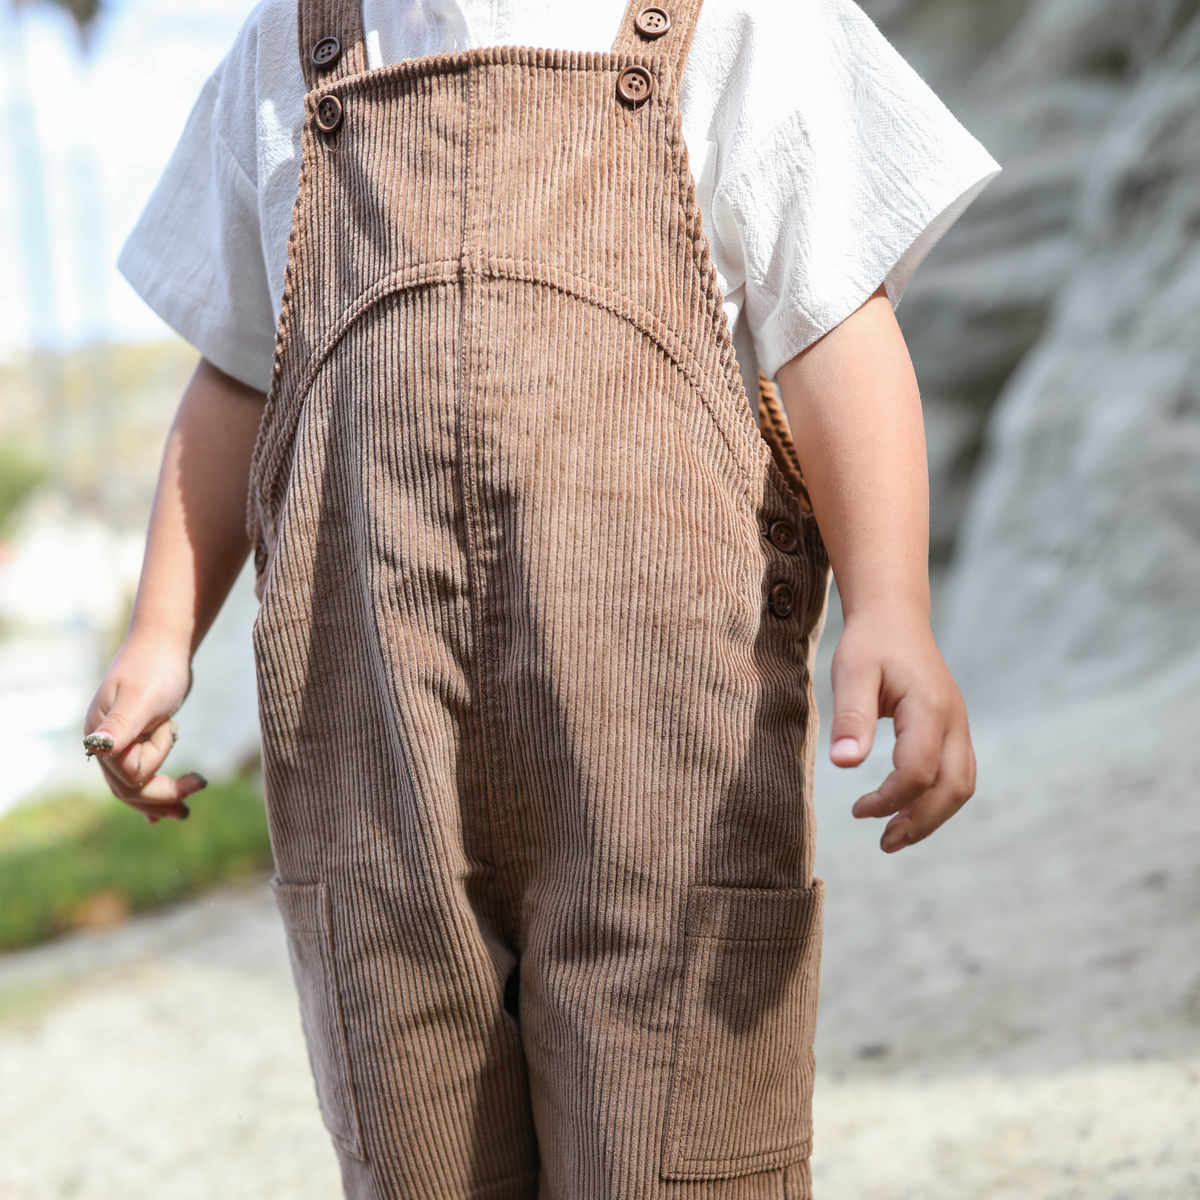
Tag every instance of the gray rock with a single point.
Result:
(1079, 563)
(1055, 333)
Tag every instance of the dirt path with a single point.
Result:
(1011, 1012)
(160, 1061)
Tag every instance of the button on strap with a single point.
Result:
(652, 23)
(665, 27)
(325, 53)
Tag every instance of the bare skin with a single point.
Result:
(195, 548)
(855, 411)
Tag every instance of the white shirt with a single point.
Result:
(824, 165)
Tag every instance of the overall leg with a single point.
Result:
(375, 771)
(651, 712)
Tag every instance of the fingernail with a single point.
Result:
(187, 812)
(98, 743)
(200, 779)
(845, 747)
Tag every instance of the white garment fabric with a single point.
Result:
(824, 165)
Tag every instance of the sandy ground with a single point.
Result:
(1009, 1011)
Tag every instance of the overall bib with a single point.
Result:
(538, 604)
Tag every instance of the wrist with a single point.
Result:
(896, 608)
(162, 641)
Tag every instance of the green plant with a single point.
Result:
(19, 475)
(80, 861)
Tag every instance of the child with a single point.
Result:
(538, 604)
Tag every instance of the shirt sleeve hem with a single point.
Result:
(901, 274)
(182, 313)
(894, 277)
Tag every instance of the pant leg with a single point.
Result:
(376, 781)
(652, 715)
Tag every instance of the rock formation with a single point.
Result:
(1058, 330)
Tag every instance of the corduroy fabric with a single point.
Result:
(538, 752)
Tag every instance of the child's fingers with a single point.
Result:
(121, 726)
(102, 701)
(139, 763)
(160, 796)
(855, 710)
(954, 787)
(132, 738)
(921, 729)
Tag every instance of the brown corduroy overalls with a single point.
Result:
(534, 647)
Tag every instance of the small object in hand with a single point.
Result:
(174, 725)
(98, 743)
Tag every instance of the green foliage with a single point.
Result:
(59, 857)
(19, 475)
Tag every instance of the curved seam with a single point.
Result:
(622, 306)
(408, 279)
(542, 274)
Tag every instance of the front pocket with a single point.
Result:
(740, 1097)
(305, 911)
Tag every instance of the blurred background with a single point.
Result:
(1011, 1010)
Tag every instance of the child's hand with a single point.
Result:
(195, 549)
(888, 665)
(129, 727)
(855, 412)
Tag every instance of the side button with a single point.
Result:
(782, 600)
(783, 536)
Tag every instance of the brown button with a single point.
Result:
(635, 85)
(326, 53)
(783, 600)
(652, 23)
(329, 114)
(783, 537)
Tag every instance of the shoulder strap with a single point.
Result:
(777, 433)
(322, 20)
(639, 33)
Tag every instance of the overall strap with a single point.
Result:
(332, 42)
(642, 30)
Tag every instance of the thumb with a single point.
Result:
(856, 684)
(130, 715)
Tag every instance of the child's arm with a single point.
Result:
(855, 413)
(195, 548)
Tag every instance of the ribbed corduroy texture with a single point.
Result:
(533, 738)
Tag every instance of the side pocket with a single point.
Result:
(740, 1098)
(305, 911)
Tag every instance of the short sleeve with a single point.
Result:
(196, 255)
(830, 168)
